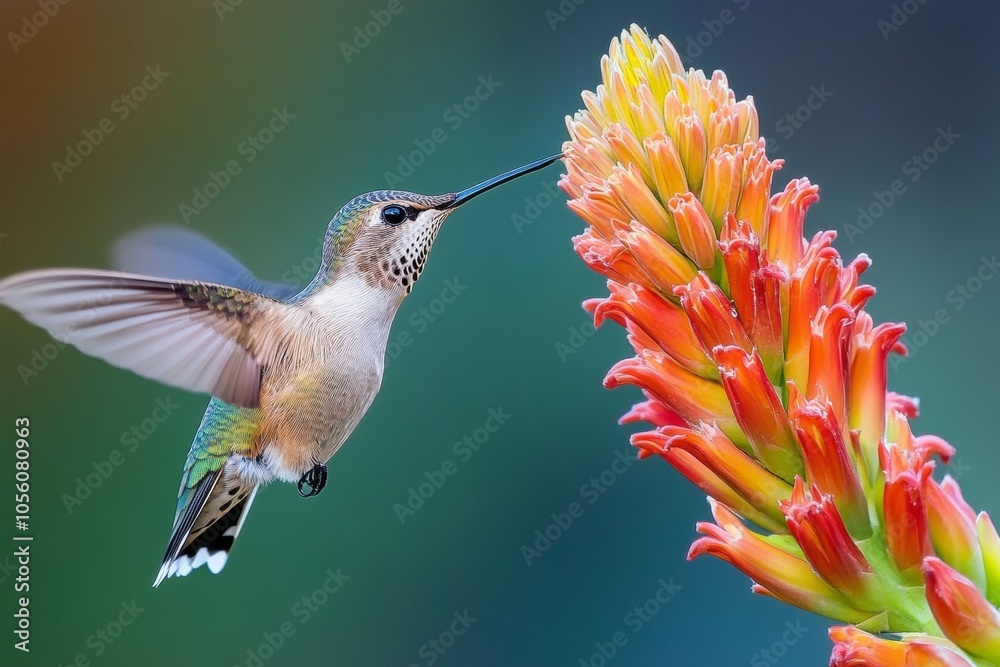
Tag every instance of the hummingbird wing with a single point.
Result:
(169, 251)
(197, 336)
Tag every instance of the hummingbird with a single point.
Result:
(290, 373)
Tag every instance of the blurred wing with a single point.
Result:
(173, 252)
(196, 336)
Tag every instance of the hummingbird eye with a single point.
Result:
(394, 215)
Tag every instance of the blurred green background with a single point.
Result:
(229, 64)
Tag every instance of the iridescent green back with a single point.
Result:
(225, 429)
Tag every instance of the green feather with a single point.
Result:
(225, 430)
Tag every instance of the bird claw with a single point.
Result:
(314, 479)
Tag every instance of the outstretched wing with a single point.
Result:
(197, 336)
(169, 251)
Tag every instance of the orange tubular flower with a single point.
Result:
(962, 611)
(662, 320)
(653, 412)
(697, 238)
(756, 292)
(989, 542)
(764, 377)
(778, 573)
(758, 410)
(788, 217)
(904, 515)
(692, 397)
(856, 648)
(703, 478)
(818, 529)
(712, 315)
(868, 381)
(738, 470)
(829, 464)
(952, 526)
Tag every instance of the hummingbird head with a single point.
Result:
(385, 236)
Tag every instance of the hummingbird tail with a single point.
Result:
(207, 527)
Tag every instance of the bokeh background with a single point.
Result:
(501, 344)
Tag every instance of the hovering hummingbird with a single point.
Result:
(290, 374)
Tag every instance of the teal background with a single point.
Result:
(494, 346)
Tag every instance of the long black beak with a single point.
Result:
(490, 183)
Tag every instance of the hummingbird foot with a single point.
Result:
(314, 480)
